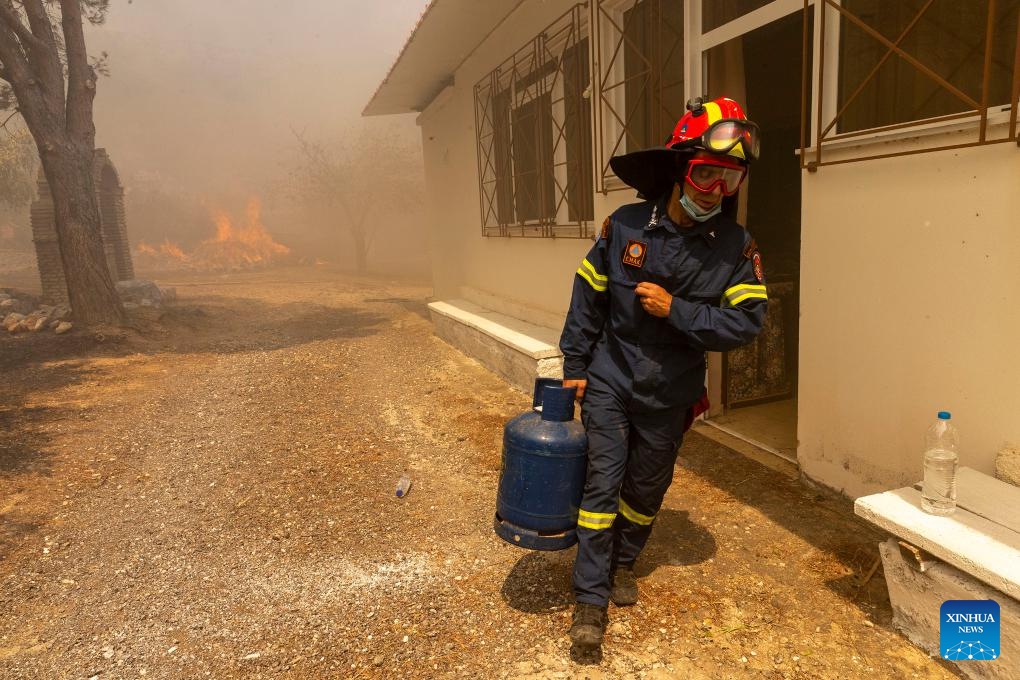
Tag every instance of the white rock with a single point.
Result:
(12, 321)
(136, 290)
(60, 313)
(63, 327)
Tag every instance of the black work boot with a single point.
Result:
(624, 591)
(589, 627)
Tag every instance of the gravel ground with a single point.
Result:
(210, 494)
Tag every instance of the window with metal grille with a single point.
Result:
(533, 131)
(640, 57)
(911, 61)
(947, 36)
(715, 13)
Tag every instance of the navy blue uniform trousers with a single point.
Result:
(644, 372)
(631, 455)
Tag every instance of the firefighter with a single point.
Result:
(667, 280)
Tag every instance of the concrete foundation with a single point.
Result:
(917, 597)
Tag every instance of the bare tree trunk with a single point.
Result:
(59, 116)
(360, 250)
(90, 287)
(362, 236)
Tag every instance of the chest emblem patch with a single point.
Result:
(635, 253)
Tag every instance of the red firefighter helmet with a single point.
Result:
(717, 126)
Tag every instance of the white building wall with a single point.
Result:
(909, 268)
(526, 277)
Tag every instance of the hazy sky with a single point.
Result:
(203, 93)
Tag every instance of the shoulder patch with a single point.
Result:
(751, 249)
(606, 228)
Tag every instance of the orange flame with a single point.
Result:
(224, 227)
(167, 247)
(170, 248)
(240, 245)
(235, 246)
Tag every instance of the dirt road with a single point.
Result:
(212, 496)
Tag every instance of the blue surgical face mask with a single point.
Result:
(696, 212)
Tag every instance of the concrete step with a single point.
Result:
(517, 350)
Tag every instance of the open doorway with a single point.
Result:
(757, 385)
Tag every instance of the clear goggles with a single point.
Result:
(705, 174)
(725, 135)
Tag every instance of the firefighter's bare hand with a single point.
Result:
(580, 385)
(654, 299)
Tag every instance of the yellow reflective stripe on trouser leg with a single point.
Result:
(595, 520)
(633, 515)
(744, 291)
(588, 272)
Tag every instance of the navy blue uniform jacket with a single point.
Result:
(712, 269)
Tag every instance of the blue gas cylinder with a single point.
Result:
(543, 473)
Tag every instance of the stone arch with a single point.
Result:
(110, 194)
(113, 230)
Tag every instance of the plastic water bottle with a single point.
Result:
(941, 455)
(403, 486)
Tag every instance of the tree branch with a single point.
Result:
(74, 36)
(10, 19)
(81, 78)
(8, 119)
(28, 99)
(45, 56)
(39, 20)
(12, 56)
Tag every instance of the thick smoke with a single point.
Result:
(207, 103)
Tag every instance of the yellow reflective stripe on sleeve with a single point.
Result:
(585, 264)
(587, 277)
(633, 515)
(587, 272)
(595, 520)
(744, 291)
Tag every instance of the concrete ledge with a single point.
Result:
(917, 598)
(970, 542)
(517, 350)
